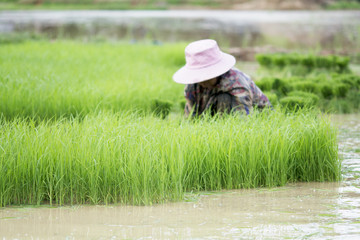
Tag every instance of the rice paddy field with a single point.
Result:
(102, 124)
(46, 80)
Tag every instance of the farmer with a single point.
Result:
(213, 84)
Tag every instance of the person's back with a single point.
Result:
(233, 91)
(213, 84)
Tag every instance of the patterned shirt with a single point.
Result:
(244, 91)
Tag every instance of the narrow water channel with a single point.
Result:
(303, 210)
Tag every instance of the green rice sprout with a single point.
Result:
(122, 158)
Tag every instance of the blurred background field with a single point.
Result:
(180, 4)
(71, 78)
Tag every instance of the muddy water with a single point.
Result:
(304, 210)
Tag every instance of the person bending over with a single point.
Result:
(214, 85)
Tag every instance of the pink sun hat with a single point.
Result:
(204, 61)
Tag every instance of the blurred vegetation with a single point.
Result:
(299, 81)
(306, 63)
(19, 37)
(106, 4)
(344, 4)
(149, 4)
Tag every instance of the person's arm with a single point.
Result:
(189, 94)
(188, 107)
(241, 100)
(259, 99)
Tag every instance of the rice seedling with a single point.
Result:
(272, 97)
(123, 158)
(295, 103)
(161, 108)
(313, 98)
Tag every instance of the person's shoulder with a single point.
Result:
(234, 78)
(239, 74)
(190, 91)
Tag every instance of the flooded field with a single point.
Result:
(303, 210)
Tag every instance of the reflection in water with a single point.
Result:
(303, 210)
(347, 208)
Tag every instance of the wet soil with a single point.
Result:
(303, 210)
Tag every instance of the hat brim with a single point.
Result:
(187, 75)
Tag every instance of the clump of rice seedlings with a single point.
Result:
(331, 93)
(308, 62)
(306, 86)
(281, 86)
(182, 103)
(327, 90)
(273, 98)
(340, 105)
(161, 108)
(294, 103)
(313, 98)
(341, 90)
(265, 84)
(123, 158)
(352, 80)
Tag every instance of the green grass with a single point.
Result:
(123, 158)
(106, 4)
(142, 4)
(43, 79)
(344, 4)
(78, 4)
